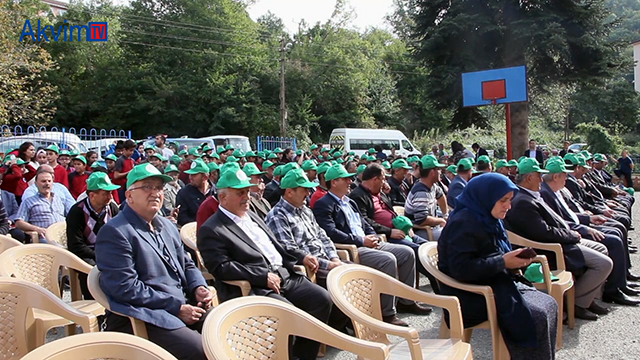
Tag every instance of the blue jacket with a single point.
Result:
(333, 220)
(455, 189)
(136, 278)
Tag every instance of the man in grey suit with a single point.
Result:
(146, 273)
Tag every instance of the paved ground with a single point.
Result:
(615, 336)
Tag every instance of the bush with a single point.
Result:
(598, 138)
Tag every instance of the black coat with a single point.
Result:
(229, 254)
(333, 220)
(363, 200)
(470, 255)
(272, 193)
(529, 219)
(539, 156)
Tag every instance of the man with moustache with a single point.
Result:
(146, 273)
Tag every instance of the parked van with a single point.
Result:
(237, 141)
(63, 140)
(361, 140)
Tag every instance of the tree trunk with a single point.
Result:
(519, 129)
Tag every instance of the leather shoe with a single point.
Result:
(394, 320)
(597, 309)
(629, 291)
(414, 308)
(631, 277)
(584, 314)
(619, 298)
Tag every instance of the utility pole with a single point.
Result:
(283, 107)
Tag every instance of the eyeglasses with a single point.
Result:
(149, 188)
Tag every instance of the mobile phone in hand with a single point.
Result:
(527, 253)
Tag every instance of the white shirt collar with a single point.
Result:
(235, 218)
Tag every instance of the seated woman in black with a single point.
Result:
(474, 248)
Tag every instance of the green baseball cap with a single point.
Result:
(402, 223)
(19, 161)
(313, 147)
(555, 166)
(587, 155)
(228, 147)
(400, 163)
(413, 159)
(337, 171)
(371, 151)
(502, 163)
(484, 159)
(278, 170)
(171, 168)
(9, 157)
(95, 165)
(54, 148)
(351, 153)
(250, 153)
(65, 153)
(80, 158)
(520, 158)
(251, 169)
(232, 177)
(296, 178)
(600, 158)
(74, 152)
(339, 161)
(513, 162)
(534, 274)
(238, 153)
(194, 152)
(299, 152)
(324, 150)
(430, 162)
(451, 169)
(214, 155)
(288, 167)
(110, 157)
(576, 159)
(176, 159)
(158, 156)
(386, 165)
(206, 148)
(360, 169)
(277, 150)
(337, 154)
(220, 149)
(149, 147)
(213, 167)
(267, 164)
(261, 155)
(529, 165)
(309, 165)
(182, 152)
(231, 158)
(272, 156)
(322, 168)
(145, 171)
(100, 181)
(197, 167)
(465, 164)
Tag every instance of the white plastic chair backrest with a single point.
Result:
(7, 243)
(56, 234)
(188, 235)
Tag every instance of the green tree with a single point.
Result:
(25, 96)
(560, 42)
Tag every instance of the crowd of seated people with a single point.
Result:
(261, 213)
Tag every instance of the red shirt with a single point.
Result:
(15, 182)
(205, 210)
(78, 183)
(123, 165)
(316, 196)
(381, 213)
(184, 165)
(60, 175)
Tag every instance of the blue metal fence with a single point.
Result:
(65, 138)
(272, 142)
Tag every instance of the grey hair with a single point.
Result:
(520, 178)
(547, 177)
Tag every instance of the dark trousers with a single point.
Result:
(618, 276)
(19, 235)
(305, 295)
(184, 343)
(82, 279)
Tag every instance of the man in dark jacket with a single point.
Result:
(533, 152)
(399, 187)
(191, 196)
(531, 218)
(479, 151)
(338, 215)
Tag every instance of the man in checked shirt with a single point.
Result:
(295, 227)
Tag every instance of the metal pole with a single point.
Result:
(507, 110)
(283, 110)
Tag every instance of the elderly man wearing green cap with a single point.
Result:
(426, 197)
(502, 167)
(397, 182)
(609, 191)
(193, 194)
(257, 203)
(533, 219)
(146, 274)
(85, 219)
(235, 244)
(340, 218)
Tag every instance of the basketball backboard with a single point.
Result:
(498, 86)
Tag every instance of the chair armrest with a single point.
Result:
(427, 228)
(382, 237)
(343, 255)
(244, 286)
(352, 249)
(35, 238)
(546, 272)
